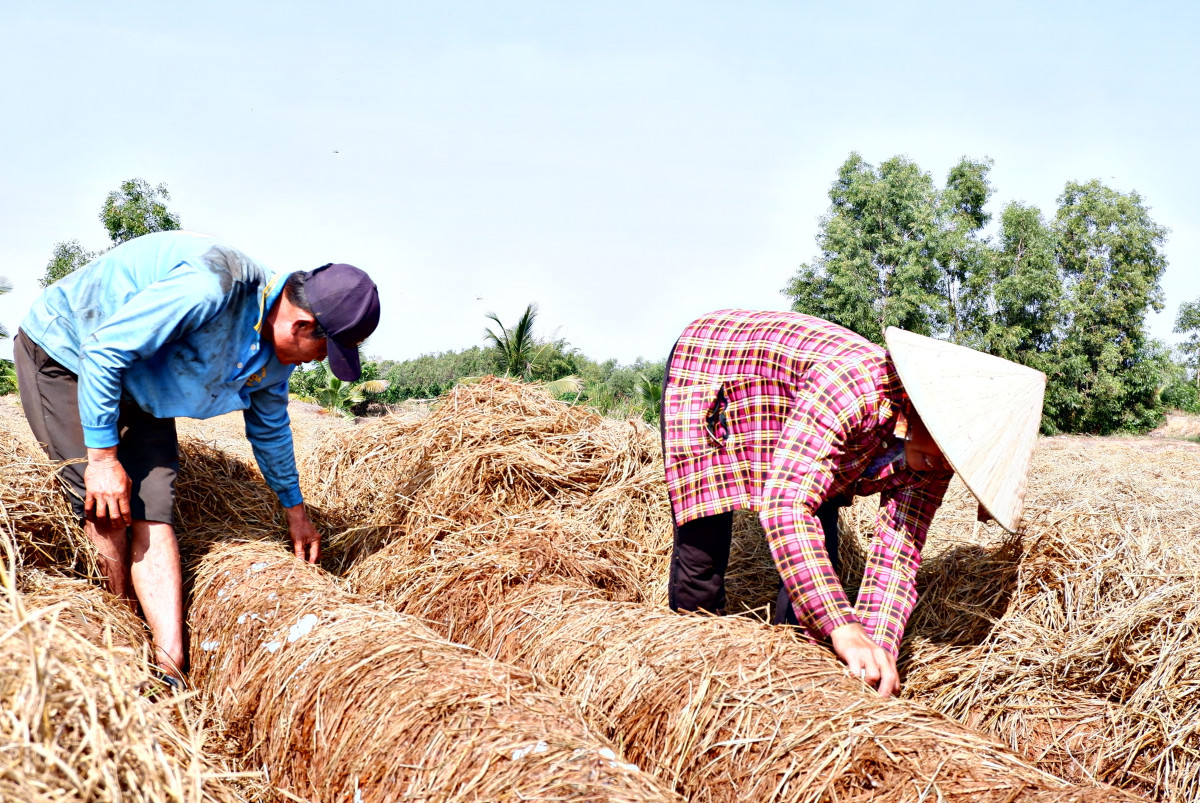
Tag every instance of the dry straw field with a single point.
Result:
(490, 624)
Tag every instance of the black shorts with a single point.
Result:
(148, 447)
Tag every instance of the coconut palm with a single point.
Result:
(5, 286)
(649, 393)
(516, 348)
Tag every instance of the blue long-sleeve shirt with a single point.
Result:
(173, 321)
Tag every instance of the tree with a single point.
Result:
(516, 350)
(1016, 292)
(136, 209)
(1068, 297)
(131, 211)
(1108, 373)
(68, 257)
(886, 257)
(1187, 322)
(958, 252)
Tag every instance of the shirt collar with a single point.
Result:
(267, 297)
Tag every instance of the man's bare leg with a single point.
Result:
(113, 545)
(159, 586)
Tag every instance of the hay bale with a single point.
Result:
(74, 726)
(726, 709)
(340, 698)
(491, 450)
(1079, 642)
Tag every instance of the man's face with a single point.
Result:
(920, 451)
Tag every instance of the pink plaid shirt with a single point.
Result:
(776, 412)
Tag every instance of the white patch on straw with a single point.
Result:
(302, 628)
(358, 798)
(272, 646)
(521, 752)
(209, 646)
(258, 567)
(242, 619)
(270, 596)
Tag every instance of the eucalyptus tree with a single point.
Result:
(1187, 322)
(894, 249)
(1108, 373)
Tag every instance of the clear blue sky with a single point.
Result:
(627, 165)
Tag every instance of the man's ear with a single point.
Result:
(304, 326)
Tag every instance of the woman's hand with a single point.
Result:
(865, 659)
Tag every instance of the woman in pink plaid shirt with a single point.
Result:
(791, 415)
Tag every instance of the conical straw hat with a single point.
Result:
(982, 411)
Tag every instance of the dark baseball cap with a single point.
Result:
(346, 303)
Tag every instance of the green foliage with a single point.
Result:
(880, 246)
(305, 382)
(1187, 322)
(8, 373)
(8, 377)
(135, 209)
(131, 211)
(1068, 297)
(1106, 375)
(5, 287)
(1016, 292)
(516, 350)
(347, 399)
(430, 375)
(68, 257)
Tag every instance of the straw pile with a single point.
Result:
(32, 505)
(493, 450)
(1081, 641)
(722, 709)
(72, 662)
(342, 699)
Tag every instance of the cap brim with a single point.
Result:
(344, 362)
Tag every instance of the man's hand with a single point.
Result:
(866, 659)
(108, 488)
(306, 541)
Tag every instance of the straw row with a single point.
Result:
(1079, 642)
(76, 726)
(344, 700)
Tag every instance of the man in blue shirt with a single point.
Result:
(165, 325)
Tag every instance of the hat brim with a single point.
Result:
(983, 412)
(344, 362)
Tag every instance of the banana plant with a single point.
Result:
(342, 397)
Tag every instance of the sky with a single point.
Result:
(627, 166)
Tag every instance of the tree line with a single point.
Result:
(1066, 293)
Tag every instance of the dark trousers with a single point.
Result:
(701, 557)
(148, 448)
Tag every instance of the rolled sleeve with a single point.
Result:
(269, 431)
(888, 593)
